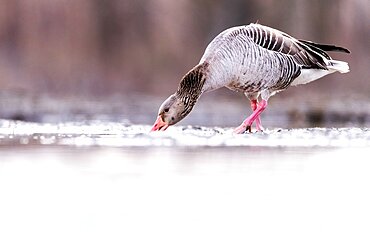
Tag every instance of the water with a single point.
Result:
(113, 134)
(111, 184)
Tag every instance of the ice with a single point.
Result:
(102, 183)
(115, 134)
(229, 196)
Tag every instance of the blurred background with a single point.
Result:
(119, 59)
(73, 66)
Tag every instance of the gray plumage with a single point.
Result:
(257, 59)
(253, 59)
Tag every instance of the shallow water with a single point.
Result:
(110, 184)
(113, 134)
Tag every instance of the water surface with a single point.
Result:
(109, 184)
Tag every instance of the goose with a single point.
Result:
(256, 60)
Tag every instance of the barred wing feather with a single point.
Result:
(305, 53)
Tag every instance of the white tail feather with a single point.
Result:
(339, 66)
(308, 75)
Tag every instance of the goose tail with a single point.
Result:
(339, 66)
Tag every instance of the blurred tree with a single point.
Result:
(93, 47)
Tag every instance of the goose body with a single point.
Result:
(256, 60)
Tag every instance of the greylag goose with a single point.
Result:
(256, 60)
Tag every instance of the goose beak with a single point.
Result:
(159, 125)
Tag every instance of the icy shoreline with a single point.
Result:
(112, 134)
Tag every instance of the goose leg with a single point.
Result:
(254, 105)
(247, 123)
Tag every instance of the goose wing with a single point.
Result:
(305, 53)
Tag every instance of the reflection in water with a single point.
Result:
(246, 196)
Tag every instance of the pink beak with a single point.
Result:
(159, 125)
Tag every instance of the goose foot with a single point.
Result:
(242, 129)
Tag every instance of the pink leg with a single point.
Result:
(247, 123)
(258, 119)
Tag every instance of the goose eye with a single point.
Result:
(166, 110)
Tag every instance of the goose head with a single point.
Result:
(172, 110)
(180, 104)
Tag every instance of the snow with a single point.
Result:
(114, 134)
(230, 196)
(96, 183)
